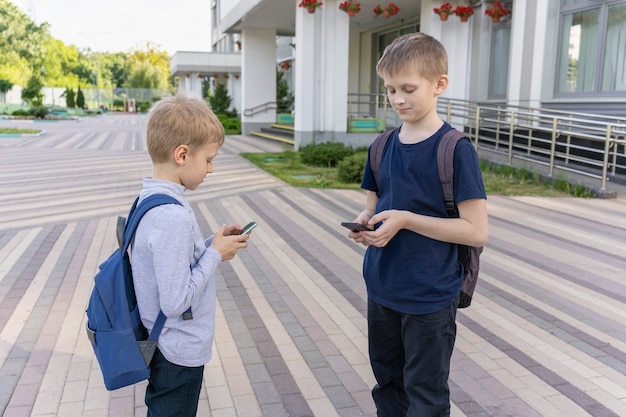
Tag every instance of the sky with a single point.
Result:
(122, 25)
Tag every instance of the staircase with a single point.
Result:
(277, 132)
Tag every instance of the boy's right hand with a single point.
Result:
(228, 245)
(362, 218)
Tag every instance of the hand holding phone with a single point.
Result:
(356, 227)
(249, 227)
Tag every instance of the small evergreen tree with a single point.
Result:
(206, 85)
(33, 94)
(5, 87)
(80, 99)
(220, 100)
(284, 99)
(70, 101)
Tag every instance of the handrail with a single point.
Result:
(588, 145)
(260, 108)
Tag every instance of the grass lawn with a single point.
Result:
(11, 130)
(501, 180)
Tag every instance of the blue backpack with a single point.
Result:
(121, 343)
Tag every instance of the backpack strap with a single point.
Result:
(445, 166)
(376, 152)
(137, 211)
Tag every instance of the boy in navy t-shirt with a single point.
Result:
(411, 269)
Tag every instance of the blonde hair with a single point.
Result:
(180, 120)
(414, 51)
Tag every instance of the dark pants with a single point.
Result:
(410, 356)
(173, 390)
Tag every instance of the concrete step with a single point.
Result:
(273, 136)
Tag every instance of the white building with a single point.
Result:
(554, 54)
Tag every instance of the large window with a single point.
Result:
(592, 57)
(499, 68)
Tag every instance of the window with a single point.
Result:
(499, 68)
(592, 57)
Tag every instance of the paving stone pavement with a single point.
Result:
(544, 336)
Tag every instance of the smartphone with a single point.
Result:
(249, 227)
(356, 227)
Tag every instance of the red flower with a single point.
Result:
(445, 8)
(497, 9)
(310, 3)
(463, 11)
(388, 10)
(350, 5)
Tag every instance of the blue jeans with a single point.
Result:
(173, 390)
(410, 356)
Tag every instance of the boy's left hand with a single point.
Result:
(392, 221)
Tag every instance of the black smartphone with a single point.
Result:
(356, 227)
(249, 227)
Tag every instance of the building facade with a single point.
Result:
(556, 54)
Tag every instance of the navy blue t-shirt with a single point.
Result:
(415, 274)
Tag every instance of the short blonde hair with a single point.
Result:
(414, 51)
(180, 120)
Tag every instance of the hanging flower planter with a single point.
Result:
(496, 11)
(389, 10)
(444, 11)
(351, 7)
(310, 5)
(464, 12)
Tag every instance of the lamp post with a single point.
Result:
(43, 83)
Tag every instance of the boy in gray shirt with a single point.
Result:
(173, 265)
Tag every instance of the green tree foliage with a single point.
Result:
(220, 100)
(21, 44)
(70, 100)
(80, 99)
(5, 87)
(32, 93)
(144, 75)
(25, 47)
(206, 87)
(284, 99)
(149, 68)
(114, 69)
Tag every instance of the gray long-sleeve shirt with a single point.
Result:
(173, 269)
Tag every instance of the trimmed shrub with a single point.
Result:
(324, 154)
(350, 169)
(39, 112)
(21, 112)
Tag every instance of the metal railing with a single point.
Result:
(587, 144)
(590, 145)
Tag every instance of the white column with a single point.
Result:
(334, 83)
(321, 73)
(258, 76)
(516, 59)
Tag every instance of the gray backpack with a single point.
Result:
(469, 256)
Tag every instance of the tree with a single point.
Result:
(5, 87)
(70, 102)
(150, 68)
(33, 94)
(220, 100)
(80, 99)
(284, 99)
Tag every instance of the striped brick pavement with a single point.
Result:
(544, 337)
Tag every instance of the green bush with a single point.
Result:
(324, 154)
(39, 112)
(350, 169)
(232, 125)
(21, 112)
(143, 106)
